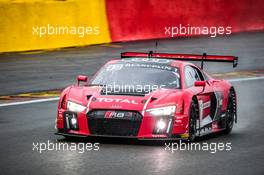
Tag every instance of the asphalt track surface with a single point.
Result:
(23, 125)
(57, 69)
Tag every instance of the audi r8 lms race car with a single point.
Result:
(149, 96)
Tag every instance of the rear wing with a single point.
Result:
(184, 57)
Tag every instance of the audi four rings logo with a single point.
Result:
(116, 106)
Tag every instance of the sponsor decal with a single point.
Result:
(156, 66)
(114, 114)
(207, 104)
(116, 67)
(117, 100)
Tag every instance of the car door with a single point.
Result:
(204, 94)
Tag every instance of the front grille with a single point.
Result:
(114, 123)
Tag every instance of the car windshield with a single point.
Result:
(138, 74)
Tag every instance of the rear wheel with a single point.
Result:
(194, 113)
(230, 112)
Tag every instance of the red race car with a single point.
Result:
(149, 96)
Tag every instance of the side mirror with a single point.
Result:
(82, 78)
(200, 83)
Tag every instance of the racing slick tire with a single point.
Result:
(194, 114)
(230, 112)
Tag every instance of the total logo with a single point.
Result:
(117, 100)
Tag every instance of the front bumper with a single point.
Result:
(146, 130)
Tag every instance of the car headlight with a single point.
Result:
(75, 107)
(163, 111)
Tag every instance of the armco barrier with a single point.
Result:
(147, 19)
(17, 19)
